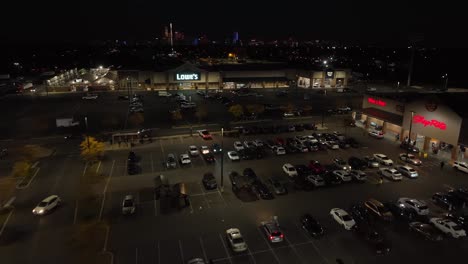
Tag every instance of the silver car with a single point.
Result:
(128, 205)
(407, 171)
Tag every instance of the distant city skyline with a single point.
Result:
(53, 21)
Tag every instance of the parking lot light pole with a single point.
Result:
(222, 160)
(409, 135)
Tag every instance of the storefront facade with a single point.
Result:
(434, 125)
(329, 78)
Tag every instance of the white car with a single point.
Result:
(344, 175)
(279, 150)
(188, 105)
(233, 155)
(90, 97)
(408, 171)
(383, 159)
(448, 227)
(461, 166)
(128, 205)
(249, 144)
(185, 159)
(391, 173)
(332, 145)
(235, 239)
(342, 218)
(289, 169)
(410, 158)
(238, 146)
(288, 114)
(258, 143)
(205, 150)
(47, 205)
(316, 180)
(358, 175)
(417, 206)
(193, 150)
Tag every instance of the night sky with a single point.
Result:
(384, 21)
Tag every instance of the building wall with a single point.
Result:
(390, 106)
(239, 74)
(442, 114)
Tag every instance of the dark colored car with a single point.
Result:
(426, 230)
(352, 142)
(357, 163)
(291, 149)
(299, 127)
(343, 144)
(311, 225)
(282, 93)
(250, 174)
(309, 126)
(262, 190)
(209, 181)
(209, 157)
(277, 186)
(360, 213)
(132, 157)
(331, 179)
(122, 97)
(316, 167)
(403, 215)
(301, 183)
(447, 200)
(246, 154)
(460, 193)
(409, 147)
(216, 148)
(132, 168)
(460, 218)
(303, 170)
(375, 240)
(280, 141)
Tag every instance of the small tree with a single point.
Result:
(202, 112)
(236, 110)
(176, 115)
(91, 149)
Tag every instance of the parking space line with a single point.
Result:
(76, 212)
(222, 198)
(269, 246)
(152, 163)
(105, 190)
(294, 250)
(204, 196)
(313, 244)
(191, 207)
(155, 204)
(225, 248)
(98, 166)
(251, 255)
(181, 252)
(203, 249)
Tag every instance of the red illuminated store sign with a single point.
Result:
(433, 122)
(376, 101)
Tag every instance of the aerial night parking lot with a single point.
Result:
(170, 140)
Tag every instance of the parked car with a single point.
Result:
(391, 173)
(205, 150)
(316, 180)
(447, 201)
(409, 147)
(184, 159)
(235, 239)
(461, 166)
(407, 171)
(90, 96)
(371, 162)
(216, 148)
(379, 209)
(316, 167)
(448, 227)
(233, 155)
(344, 175)
(358, 175)
(193, 150)
(410, 158)
(209, 157)
(357, 163)
(132, 158)
(272, 231)
(332, 144)
(47, 205)
(250, 174)
(289, 169)
(331, 179)
(461, 218)
(342, 218)
(238, 146)
(128, 205)
(277, 186)
(311, 225)
(383, 159)
(171, 161)
(376, 134)
(426, 230)
(417, 206)
(278, 150)
(340, 164)
(209, 181)
(262, 190)
(204, 134)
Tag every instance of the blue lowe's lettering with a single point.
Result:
(187, 76)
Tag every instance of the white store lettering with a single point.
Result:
(192, 76)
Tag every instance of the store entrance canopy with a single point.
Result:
(385, 116)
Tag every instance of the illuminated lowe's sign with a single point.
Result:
(435, 123)
(376, 101)
(187, 76)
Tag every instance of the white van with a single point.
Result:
(164, 94)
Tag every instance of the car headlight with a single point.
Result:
(41, 211)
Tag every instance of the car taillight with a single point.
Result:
(282, 236)
(271, 237)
